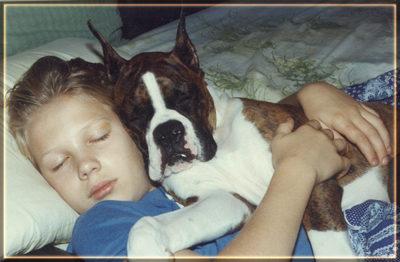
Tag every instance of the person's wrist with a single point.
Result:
(306, 91)
(305, 98)
(296, 170)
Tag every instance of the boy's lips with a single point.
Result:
(102, 189)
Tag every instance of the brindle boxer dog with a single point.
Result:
(212, 154)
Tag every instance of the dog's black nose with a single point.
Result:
(169, 133)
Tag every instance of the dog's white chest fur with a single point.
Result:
(242, 163)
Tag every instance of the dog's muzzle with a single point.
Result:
(170, 138)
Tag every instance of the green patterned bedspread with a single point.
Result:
(268, 52)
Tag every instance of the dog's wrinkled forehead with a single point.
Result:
(138, 97)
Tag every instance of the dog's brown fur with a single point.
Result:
(324, 208)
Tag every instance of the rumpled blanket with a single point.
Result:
(372, 225)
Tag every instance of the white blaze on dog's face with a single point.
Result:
(172, 143)
(164, 103)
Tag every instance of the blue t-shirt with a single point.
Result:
(103, 230)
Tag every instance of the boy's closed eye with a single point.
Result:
(101, 138)
(100, 132)
(58, 167)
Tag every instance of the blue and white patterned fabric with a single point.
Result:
(372, 224)
(380, 89)
(372, 227)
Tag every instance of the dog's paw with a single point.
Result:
(148, 239)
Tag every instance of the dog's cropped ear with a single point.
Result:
(184, 49)
(112, 60)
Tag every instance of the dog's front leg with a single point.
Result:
(209, 218)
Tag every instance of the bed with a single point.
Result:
(260, 51)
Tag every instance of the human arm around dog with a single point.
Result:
(343, 114)
(301, 159)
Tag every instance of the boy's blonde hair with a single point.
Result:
(50, 78)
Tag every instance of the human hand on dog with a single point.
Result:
(311, 149)
(301, 159)
(343, 114)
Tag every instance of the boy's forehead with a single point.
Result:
(64, 119)
(77, 107)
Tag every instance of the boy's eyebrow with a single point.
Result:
(104, 124)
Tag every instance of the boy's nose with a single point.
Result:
(87, 166)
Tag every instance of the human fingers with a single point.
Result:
(284, 128)
(373, 118)
(328, 133)
(364, 134)
(358, 137)
(278, 147)
(330, 160)
(336, 134)
(372, 111)
(315, 124)
(341, 146)
(345, 167)
(374, 142)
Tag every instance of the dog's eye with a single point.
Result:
(183, 98)
(137, 121)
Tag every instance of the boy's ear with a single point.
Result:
(184, 49)
(112, 60)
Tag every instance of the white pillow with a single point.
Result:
(35, 215)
